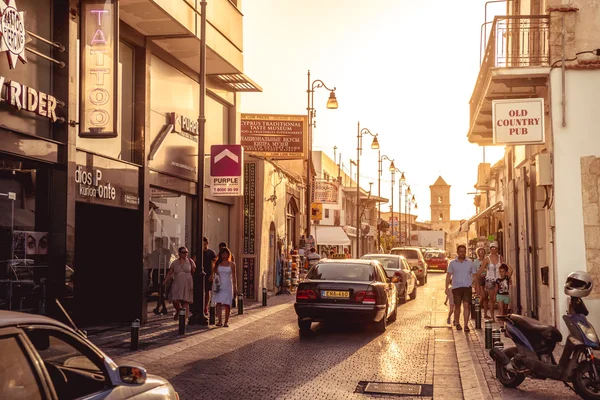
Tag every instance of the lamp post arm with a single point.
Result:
(317, 83)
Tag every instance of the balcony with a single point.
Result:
(515, 65)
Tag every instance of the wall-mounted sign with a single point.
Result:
(316, 211)
(12, 33)
(25, 98)
(99, 66)
(226, 162)
(249, 207)
(103, 181)
(274, 136)
(248, 277)
(517, 122)
(325, 192)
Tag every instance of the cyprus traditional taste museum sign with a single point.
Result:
(274, 136)
(518, 122)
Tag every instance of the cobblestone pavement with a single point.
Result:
(262, 356)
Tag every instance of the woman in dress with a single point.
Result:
(480, 279)
(225, 269)
(182, 288)
(492, 263)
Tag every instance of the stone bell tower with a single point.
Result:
(440, 202)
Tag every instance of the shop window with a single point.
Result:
(121, 147)
(217, 123)
(24, 236)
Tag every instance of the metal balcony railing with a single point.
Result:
(515, 41)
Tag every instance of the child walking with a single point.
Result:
(503, 287)
(449, 298)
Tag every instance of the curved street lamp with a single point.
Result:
(332, 104)
(374, 145)
(392, 168)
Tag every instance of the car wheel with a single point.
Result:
(304, 325)
(394, 313)
(402, 297)
(413, 294)
(381, 325)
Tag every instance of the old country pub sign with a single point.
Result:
(12, 42)
(99, 66)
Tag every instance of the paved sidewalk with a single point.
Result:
(160, 335)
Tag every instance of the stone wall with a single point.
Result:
(590, 187)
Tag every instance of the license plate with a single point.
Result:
(335, 294)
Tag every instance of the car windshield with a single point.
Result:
(386, 261)
(434, 254)
(407, 253)
(342, 272)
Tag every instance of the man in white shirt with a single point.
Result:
(313, 257)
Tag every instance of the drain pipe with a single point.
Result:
(563, 71)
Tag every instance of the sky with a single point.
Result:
(403, 69)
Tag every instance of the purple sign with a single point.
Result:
(226, 161)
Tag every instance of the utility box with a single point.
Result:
(543, 170)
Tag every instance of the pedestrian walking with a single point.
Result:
(159, 259)
(490, 267)
(503, 287)
(460, 274)
(209, 261)
(182, 288)
(479, 278)
(313, 258)
(449, 299)
(223, 245)
(224, 274)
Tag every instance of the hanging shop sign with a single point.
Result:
(12, 33)
(249, 207)
(25, 98)
(248, 277)
(103, 181)
(226, 177)
(517, 122)
(274, 136)
(325, 192)
(99, 66)
(316, 211)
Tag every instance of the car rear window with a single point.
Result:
(407, 253)
(434, 254)
(387, 262)
(342, 272)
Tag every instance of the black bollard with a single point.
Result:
(477, 314)
(264, 297)
(472, 307)
(488, 334)
(135, 335)
(182, 321)
(211, 314)
(496, 339)
(240, 304)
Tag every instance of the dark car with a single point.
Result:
(44, 359)
(415, 258)
(402, 274)
(436, 260)
(346, 290)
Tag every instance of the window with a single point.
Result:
(441, 217)
(343, 272)
(75, 370)
(17, 379)
(409, 254)
(327, 213)
(217, 122)
(440, 199)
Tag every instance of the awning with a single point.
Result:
(237, 82)
(330, 236)
(464, 227)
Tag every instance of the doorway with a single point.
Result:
(108, 270)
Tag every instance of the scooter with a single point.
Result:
(532, 357)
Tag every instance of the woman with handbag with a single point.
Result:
(182, 288)
(224, 285)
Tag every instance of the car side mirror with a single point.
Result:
(133, 375)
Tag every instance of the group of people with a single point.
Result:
(489, 275)
(218, 277)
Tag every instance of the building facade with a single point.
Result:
(111, 153)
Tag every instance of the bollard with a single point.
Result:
(264, 297)
(477, 314)
(211, 314)
(472, 307)
(488, 334)
(240, 304)
(496, 338)
(135, 334)
(182, 321)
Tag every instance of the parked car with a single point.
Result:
(436, 260)
(346, 290)
(402, 274)
(415, 258)
(45, 359)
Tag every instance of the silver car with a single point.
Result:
(41, 358)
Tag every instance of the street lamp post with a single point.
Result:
(401, 182)
(374, 145)
(406, 194)
(392, 168)
(411, 202)
(332, 104)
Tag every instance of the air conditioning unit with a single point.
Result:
(484, 181)
(543, 170)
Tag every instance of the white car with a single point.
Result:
(41, 358)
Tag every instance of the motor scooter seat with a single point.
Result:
(530, 325)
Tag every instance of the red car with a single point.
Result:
(436, 260)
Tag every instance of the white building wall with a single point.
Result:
(577, 139)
